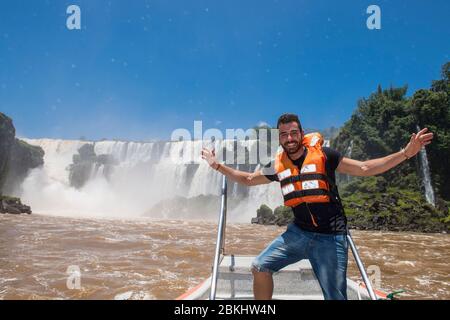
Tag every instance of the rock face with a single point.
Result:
(86, 162)
(23, 157)
(7, 133)
(280, 217)
(13, 206)
(16, 157)
(392, 210)
(396, 211)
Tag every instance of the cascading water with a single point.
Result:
(426, 175)
(348, 154)
(348, 151)
(143, 175)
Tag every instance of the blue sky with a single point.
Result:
(139, 69)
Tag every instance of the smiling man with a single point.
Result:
(306, 173)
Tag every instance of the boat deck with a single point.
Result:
(294, 282)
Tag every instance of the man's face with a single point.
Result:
(290, 137)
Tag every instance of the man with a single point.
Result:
(306, 173)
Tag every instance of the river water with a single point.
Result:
(40, 256)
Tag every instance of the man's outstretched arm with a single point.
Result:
(242, 177)
(380, 165)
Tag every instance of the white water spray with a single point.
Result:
(426, 175)
(144, 175)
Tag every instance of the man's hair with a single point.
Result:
(287, 118)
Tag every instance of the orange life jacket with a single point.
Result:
(310, 184)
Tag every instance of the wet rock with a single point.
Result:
(87, 161)
(281, 216)
(17, 157)
(13, 206)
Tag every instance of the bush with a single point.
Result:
(264, 212)
(284, 212)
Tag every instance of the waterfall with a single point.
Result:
(425, 169)
(426, 175)
(348, 154)
(348, 151)
(143, 175)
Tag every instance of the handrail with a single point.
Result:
(220, 243)
(361, 268)
(220, 248)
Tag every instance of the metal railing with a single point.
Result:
(220, 248)
(361, 268)
(220, 243)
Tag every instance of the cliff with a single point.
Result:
(16, 157)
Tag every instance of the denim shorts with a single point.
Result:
(327, 253)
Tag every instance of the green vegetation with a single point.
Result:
(6, 198)
(382, 124)
(16, 157)
(280, 216)
(284, 213)
(374, 206)
(264, 211)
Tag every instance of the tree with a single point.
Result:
(383, 123)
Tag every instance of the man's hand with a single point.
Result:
(210, 157)
(417, 141)
(381, 165)
(245, 178)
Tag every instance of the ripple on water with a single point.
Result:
(162, 259)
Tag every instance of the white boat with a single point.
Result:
(232, 279)
(295, 282)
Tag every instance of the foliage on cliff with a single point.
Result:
(16, 156)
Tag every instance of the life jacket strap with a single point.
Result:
(304, 177)
(306, 193)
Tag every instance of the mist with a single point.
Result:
(144, 181)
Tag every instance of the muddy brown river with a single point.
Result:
(49, 257)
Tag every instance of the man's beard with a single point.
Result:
(294, 148)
